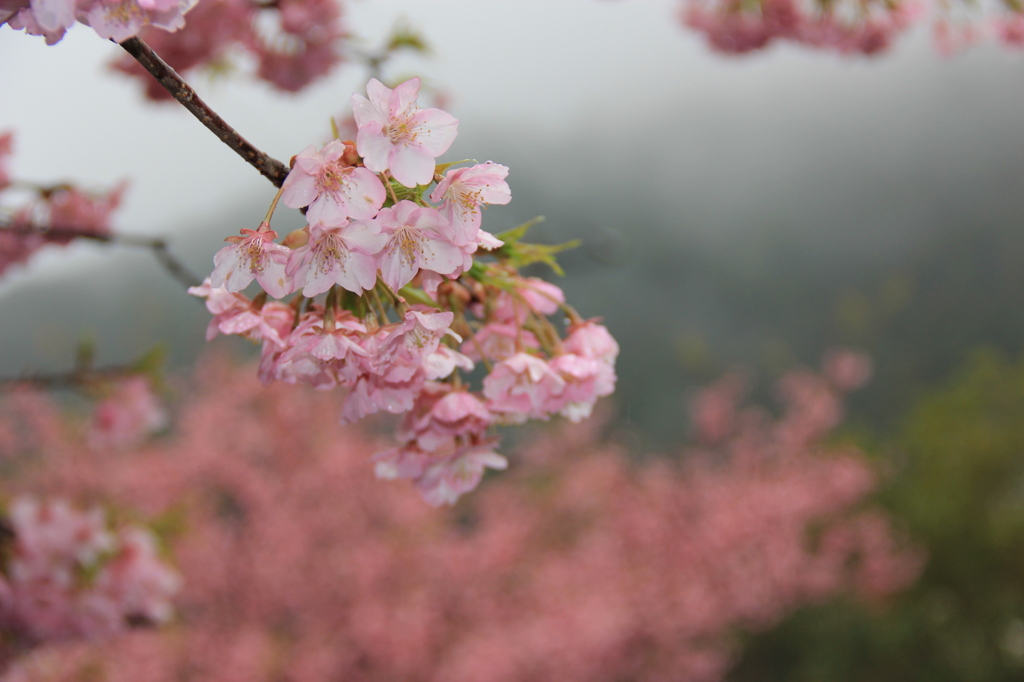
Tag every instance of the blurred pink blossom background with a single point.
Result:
(575, 565)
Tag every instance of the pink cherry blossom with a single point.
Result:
(128, 416)
(586, 380)
(8, 8)
(459, 413)
(1009, 29)
(333, 191)
(400, 462)
(592, 340)
(728, 31)
(847, 369)
(342, 255)
(813, 407)
(293, 70)
(16, 249)
(254, 256)
(498, 340)
(444, 482)
(403, 350)
(306, 46)
(867, 28)
(119, 20)
(297, 367)
(522, 387)
(56, 216)
(487, 241)
(441, 363)
(531, 294)
(292, 43)
(441, 466)
(373, 393)
(542, 296)
(137, 580)
(53, 16)
(395, 134)
(321, 357)
(51, 533)
(72, 209)
(47, 18)
(418, 238)
(233, 313)
(952, 38)
(441, 415)
(214, 29)
(713, 411)
(70, 577)
(444, 450)
(464, 192)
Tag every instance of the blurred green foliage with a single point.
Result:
(956, 480)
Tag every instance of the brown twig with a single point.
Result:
(172, 265)
(158, 246)
(269, 167)
(75, 378)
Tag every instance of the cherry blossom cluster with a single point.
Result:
(33, 216)
(292, 42)
(959, 27)
(128, 414)
(391, 304)
(112, 19)
(68, 574)
(863, 26)
(849, 26)
(813, 403)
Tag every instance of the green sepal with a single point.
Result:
(403, 193)
(440, 168)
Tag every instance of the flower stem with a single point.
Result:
(273, 207)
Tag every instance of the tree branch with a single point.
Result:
(270, 168)
(73, 379)
(158, 246)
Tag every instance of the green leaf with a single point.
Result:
(528, 254)
(440, 168)
(516, 233)
(519, 254)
